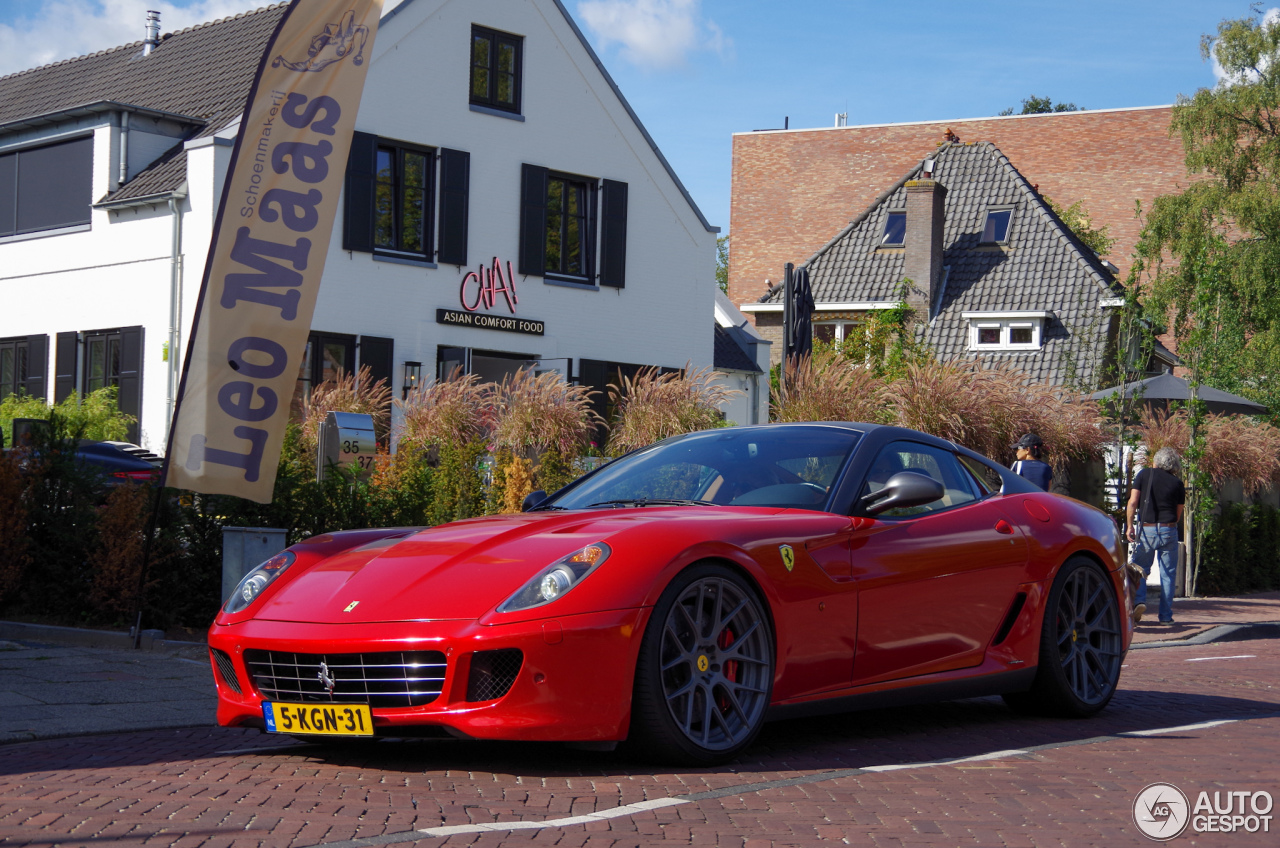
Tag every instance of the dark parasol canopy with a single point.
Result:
(1159, 391)
(799, 314)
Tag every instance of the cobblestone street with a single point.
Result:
(962, 773)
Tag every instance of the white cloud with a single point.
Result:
(54, 30)
(1269, 18)
(653, 33)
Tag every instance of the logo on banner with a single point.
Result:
(332, 45)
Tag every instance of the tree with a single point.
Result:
(722, 263)
(1042, 105)
(1077, 218)
(1211, 253)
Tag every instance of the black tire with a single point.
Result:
(705, 671)
(1080, 645)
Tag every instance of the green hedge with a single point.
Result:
(1241, 552)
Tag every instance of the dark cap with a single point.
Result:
(1031, 440)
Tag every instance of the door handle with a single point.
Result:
(1004, 527)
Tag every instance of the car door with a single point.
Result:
(934, 581)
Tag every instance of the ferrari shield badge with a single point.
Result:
(788, 556)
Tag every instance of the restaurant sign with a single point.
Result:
(485, 321)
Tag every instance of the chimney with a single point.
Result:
(922, 245)
(153, 33)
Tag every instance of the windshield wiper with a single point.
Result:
(652, 502)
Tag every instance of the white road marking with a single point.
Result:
(1236, 657)
(1201, 726)
(658, 803)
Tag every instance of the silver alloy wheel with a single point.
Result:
(1087, 626)
(716, 663)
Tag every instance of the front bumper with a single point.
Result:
(574, 683)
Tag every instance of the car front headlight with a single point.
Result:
(257, 580)
(557, 579)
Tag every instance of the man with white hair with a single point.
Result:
(1156, 500)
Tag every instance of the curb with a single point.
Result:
(152, 640)
(1220, 633)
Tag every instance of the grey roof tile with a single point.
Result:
(1045, 268)
(202, 72)
(729, 355)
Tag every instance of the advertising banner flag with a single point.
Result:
(268, 250)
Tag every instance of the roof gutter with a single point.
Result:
(97, 108)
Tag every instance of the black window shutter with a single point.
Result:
(376, 353)
(594, 373)
(37, 366)
(613, 234)
(533, 220)
(64, 372)
(357, 224)
(130, 393)
(455, 188)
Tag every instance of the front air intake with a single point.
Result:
(393, 679)
(492, 673)
(226, 670)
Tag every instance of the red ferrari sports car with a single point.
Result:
(686, 593)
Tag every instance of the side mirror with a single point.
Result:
(906, 488)
(536, 497)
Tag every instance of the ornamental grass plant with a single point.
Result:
(828, 387)
(653, 406)
(1237, 447)
(450, 411)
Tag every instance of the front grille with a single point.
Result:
(391, 679)
(226, 669)
(492, 673)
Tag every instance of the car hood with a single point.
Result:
(455, 571)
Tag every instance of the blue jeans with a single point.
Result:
(1158, 543)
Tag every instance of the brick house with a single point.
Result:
(994, 273)
(793, 189)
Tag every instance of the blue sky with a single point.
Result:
(697, 71)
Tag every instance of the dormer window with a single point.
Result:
(895, 229)
(1006, 330)
(996, 230)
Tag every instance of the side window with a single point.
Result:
(986, 478)
(938, 464)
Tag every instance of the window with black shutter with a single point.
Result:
(559, 220)
(393, 207)
(46, 188)
(13, 366)
(112, 359)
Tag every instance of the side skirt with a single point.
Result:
(947, 690)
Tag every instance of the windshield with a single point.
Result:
(789, 467)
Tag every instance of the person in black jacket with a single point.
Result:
(1156, 498)
(1029, 464)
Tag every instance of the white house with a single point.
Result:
(503, 205)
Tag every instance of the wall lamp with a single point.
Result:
(412, 376)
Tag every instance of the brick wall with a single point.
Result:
(794, 190)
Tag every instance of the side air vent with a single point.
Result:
(492, 673)
(1012, 616)
(226, 670)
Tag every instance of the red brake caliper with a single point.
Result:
(730, 667)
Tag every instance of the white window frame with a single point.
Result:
(843, 326)
(1006, 322)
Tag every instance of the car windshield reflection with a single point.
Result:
(788, 467)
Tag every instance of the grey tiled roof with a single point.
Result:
(1044, 268)
(729, 355)
(202, 72)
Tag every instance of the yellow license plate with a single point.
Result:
(318, 719)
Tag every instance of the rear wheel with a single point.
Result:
(705, 670)
(1080, 645)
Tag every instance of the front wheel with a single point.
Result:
(1080, 645)
(705, 671)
